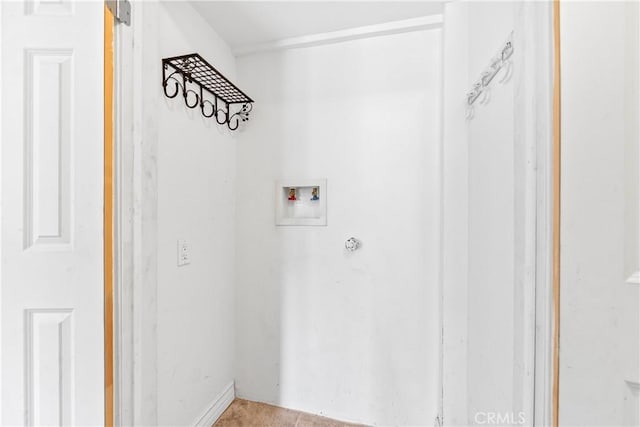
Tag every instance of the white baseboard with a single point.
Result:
(219, 405)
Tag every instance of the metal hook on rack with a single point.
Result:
(507, 50)
(241, 116)
(508, 67)
(474, 94)
(237, 123)
(165, 83)
(491, 72)
(204, 102)
(481, 89)
(486, 96)
(469, 112)
(196, 102)
(224, 116)
(202, 108)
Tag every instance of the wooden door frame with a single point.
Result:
(108, 218)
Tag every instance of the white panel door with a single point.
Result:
(599, 369)
(51, 171)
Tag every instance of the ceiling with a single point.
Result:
(247, 23)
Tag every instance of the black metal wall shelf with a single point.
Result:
(229, 105)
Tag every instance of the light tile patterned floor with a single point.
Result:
(244, 413)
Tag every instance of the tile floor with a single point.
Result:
(244, 413)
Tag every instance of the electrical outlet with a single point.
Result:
(184, 253)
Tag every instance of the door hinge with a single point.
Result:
(121, 10)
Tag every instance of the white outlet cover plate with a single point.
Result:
(184, 255)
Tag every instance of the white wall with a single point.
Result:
(599, 317)
(352, 336)
(455, 200)
(492, 221)
(490, 188)
(196, 201)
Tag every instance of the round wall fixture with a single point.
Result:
(352, 244)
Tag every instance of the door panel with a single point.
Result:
(599, 373)
(52, 201)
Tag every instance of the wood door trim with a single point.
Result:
(108, 218)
